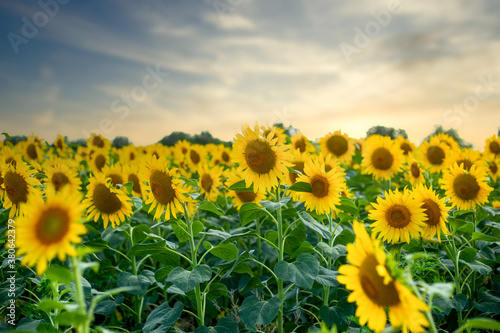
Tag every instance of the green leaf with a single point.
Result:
(334, 252)
(180, 230)
(327, 277)
(272, 206)
(158, 250)
(446, 304)
(461, 225)
(345, 237)
(163, 316)
(187, 280)
(137, 202)
(468, 254)
(294, 239)
(311, 223)
(224, 325)
(140, 283)
(485, 238)
(444, 290)
(59, 274)
(210, 207)
(477, 266)
(227, 251)
(162, 274)
(482, 323)
(348, 206)
(333, 315)
(47, 305)
(254, 311)
(305, 247)
(251, 211)
(301, 187)
(128, 186)
(197, 228)
(73, 318)
(301, 272)
(7, 136)
(241, 187)
(487, 302)
(216, 290)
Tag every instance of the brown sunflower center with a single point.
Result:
(260, 157)
(300, 144)
(31, 151)
(415, 170)
(98, 142)
(493, 168)
(161, 186)
(466, 164)
(398, 216)
(52, 226)
(195, 157)
(431, 209)
(16, 187)
(184, 150)
(59, 144)
(495, 147)
(382, 159)
(328, 167)
(225, 157)
(246, 196)
(299, 166)
(373, 285)
(137, 186)
(406, 148)
(59, 179)
(435, 155)
(466, 187)
(337, 145)
(131, 156)
(115, 179)
(207, 182)
(319, 185)
(106, 201)
(99, 161)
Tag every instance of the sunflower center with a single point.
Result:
(319, 185)
(16, 187)
(207, 182)
(435, 155)
(225, 157)
(184, 150)
(59, 144)
(328, 167)
(137, 186)
(52, 226)
(431, 209)
(466, 164)
(494, 168)
(382, 159)
(131, 156)
(495, 147)
(155, 154)
(406, 148)
(398, 216)
(31, 151)
(106, 201)
(246, 196)
(260, 157)
(373, 285)
(115, 179)
(195, 157)
(98, 142)
(415, 170)
(300, 145)
(337, 145)
(99, 162)
(299, 166)
(466, 187)
(161, 186)
(59, 179)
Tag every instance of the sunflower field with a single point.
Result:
(276, 233)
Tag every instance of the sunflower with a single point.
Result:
(9, 155)
(495, 204)
(466, 188)
(447, 139)
(415, 172)
(381, 157)
(129, 154)
(493, 167)
(397, 217)
(61, 146)
(98, 141)
(222, 156)
(115, 172)
(103, 200)
(375, 288)
(30, 149)
(61, 174)
(209, 181)
(49, 228)
(18, 183)
(297, 164)
(435, 210)
(162, 189)
(98, 159)
(242, 197)
(339, 145)
(326, 187)
(131, 174)
(261, 161)
(278, 133)
(300, 142)
(406, 146)
(195, 156)
(433, 154)
(464, 157)
(492, 146)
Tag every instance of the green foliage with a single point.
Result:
(387, 131)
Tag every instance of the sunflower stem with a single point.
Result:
(83, 327)
(137, 301)
(280, 258)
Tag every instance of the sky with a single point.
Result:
(144, 69)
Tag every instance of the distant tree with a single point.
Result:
(15, 139)
(77, 143)
(121, 141)
(172, 138)
(203, 138)
(451, 132)
(387, 131)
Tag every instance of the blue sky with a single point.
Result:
(318, 65)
